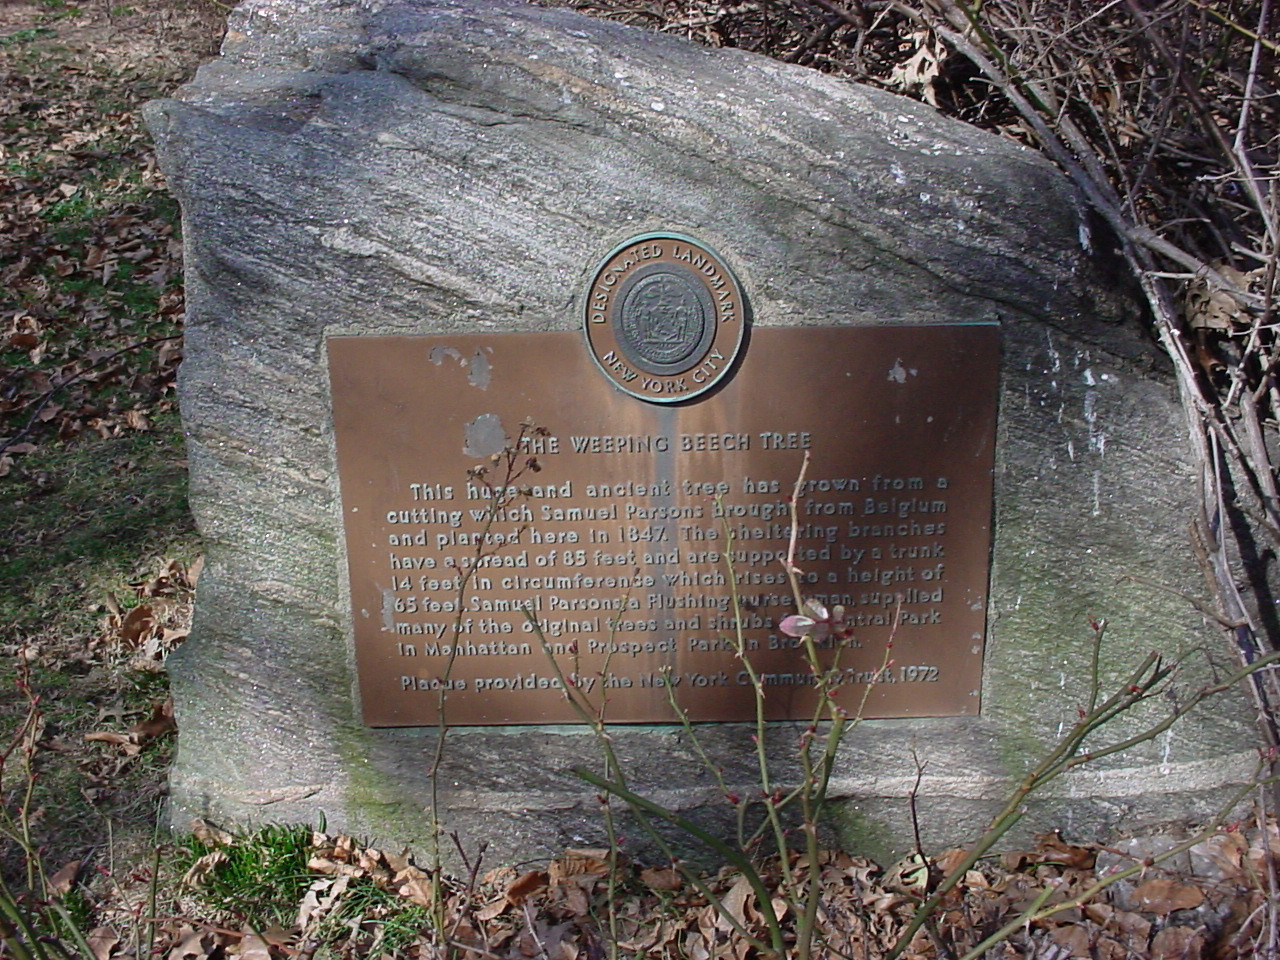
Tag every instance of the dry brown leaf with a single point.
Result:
(1177, 943)
(210, 835)
(525, 886)
(661, 932)
(916, 75)
(400, 862)
(199, 871)
(60, 883)
(491, 910)
(372, 862)
(1132, 928)
(1072, 937)
(1227, 851)
(1162, 896)
(734, 903)
(102, 941)
(344, 849)
(1270, 838)
(949, 860)
(909, 875)
(575, 899)
(415, 886)
(157, 725)
(578, 862)
(137, 624)
(253, 947)
(498, 877)
(1056, 850)
(192, 945)
(334, 868)
(1214, 309)
(1099, 913)
(661, 878)
(276, 935)
(320, 899)
(122, 740)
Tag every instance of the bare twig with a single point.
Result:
(43, 400)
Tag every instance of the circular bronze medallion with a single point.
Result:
(665, 317)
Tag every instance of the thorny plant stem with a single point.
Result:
(1034, 913)
(1212, 425)
(801, 882)
(43, 400)
(732, 856)
(20, 938)
(772, 808)
(15, 929)
(812, 791)
(614, 783)
(615, 777)
(514, 463)
(17, 825)
(711, 766)
(1095, 678)
(153, 899)
(601, 714)
(1148, 681)
(1071, 151)
(1233, 25)
(814, 794)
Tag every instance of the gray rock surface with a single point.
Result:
(394, 166)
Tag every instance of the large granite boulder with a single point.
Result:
(409, 166)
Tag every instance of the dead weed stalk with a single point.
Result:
(500, 479)
(33, 925)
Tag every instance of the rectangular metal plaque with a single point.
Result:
(620, 547)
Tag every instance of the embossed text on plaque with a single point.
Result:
(624, 548)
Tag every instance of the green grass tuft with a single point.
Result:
(261, 878)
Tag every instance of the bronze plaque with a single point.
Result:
(626, 542)
(664, 317)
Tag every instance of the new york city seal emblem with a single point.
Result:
(665, 317)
